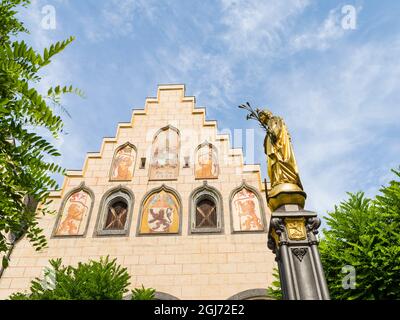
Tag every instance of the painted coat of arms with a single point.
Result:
(160, 214)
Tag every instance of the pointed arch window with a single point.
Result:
(115, 212)
(116, 215)
(206, 214)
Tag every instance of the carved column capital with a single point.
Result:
(312, 225)
(293, 239)
(278, 225)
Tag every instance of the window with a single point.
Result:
(206, 210)
(187, 159)
(116, 216)
(142, 163)
(115, 212)
(206, 214)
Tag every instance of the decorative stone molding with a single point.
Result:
(296, 228)
(168, 127)
(111, 196)
(113, 159)
(244, 185)
(176, 174)
(212, 147)
(205, 192)
(299, 253)
(81, 187)
(136, 118)
(292, 237)
(312, 225)
(251, 294)
(167, 189)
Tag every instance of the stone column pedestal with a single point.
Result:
(292, 237)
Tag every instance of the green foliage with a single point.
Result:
(274, 291)
(24, 170)
(143, 293)
(365, 233)
(95, 280)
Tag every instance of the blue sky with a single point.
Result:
(337, 89)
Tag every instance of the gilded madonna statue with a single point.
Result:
(286, 187)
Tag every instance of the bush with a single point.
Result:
(275, 291)
(143, 293)
(94, 280)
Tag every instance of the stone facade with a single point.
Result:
(170, 256)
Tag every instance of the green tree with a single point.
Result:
(25, 174)
(364, 234)
(143, 293)
(274, 291)
(95, 280)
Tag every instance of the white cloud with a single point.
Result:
(339, 114)
(251, 28)
(322, 37)
(117, 18)
(57, 73)
(336, 107)
(211, 74)
(259, 26)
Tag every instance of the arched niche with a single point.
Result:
(160, 212)
(115, 212)
(74, 214)
(206, 161)
(247, 210)
(123, 163)
(205, 210)
(164, 164)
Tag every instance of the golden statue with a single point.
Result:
(286, 187)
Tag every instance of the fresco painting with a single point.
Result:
(123, 164)
(165, 156)
(206, 166)
(74, 216)
(246, 213)
(160, 214)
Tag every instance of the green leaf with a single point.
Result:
(24, 112)
(5, 262)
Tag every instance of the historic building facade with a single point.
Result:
(170, 199)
